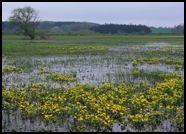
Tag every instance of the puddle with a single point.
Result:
(94, 70)
(14, 123)
(157, 44)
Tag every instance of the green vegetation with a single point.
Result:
(59, 45)
(26, 19)
(89, 83)
(94, 29)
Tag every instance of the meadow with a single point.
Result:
(93, 83)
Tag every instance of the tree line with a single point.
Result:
(52, 25)
(118, 28)
(26, 21)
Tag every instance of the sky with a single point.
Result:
(158, 14)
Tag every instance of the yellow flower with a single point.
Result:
(47, 116)
(32, 89)
(80, 119)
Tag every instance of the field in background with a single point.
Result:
(22, 46)
(93, 83)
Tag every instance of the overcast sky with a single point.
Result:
(145, 13)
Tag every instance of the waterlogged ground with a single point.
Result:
(115, 66)
(139, 68)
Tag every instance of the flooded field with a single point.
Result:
(97, 88)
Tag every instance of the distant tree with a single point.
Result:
(117, 28)
(26, 19)
(178, 29)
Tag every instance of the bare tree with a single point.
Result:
(26, 19)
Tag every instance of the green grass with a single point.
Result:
(22, 46)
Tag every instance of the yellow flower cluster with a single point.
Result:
(87, 49)
(94, 106)
(177, 62)
(170, 75)
(61, 77)
(9, 69)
